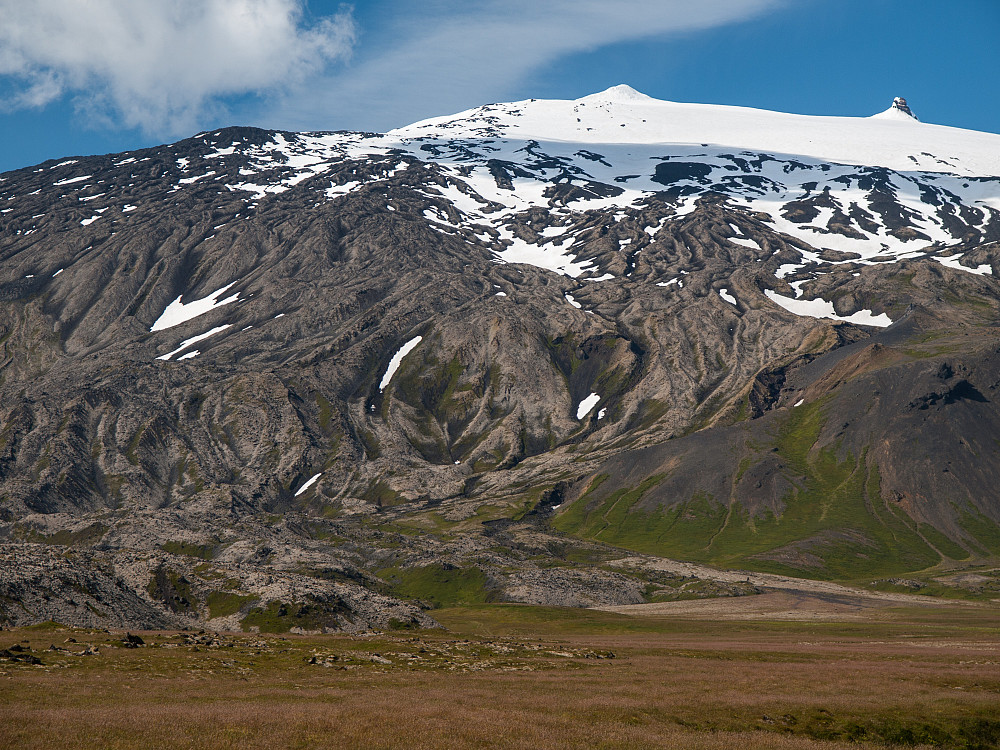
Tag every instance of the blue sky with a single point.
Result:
(131, 73)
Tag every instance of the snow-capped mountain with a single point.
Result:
(858, 190)
(475, 317)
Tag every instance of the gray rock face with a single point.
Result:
(900, 104)
(194, 338)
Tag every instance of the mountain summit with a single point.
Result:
(899, 110)
(623, 115)
(900, 104)
(315, 379)
(620, 94)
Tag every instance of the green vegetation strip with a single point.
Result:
(833, 522)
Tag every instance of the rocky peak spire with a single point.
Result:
(899, 103)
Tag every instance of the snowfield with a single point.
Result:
(623, 115)
(632, 147)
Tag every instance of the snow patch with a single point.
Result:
(587, 405)
(787, 268)
(309, 483)
(189, 180)
(724, 293)
(193, 340)
(334, 190)
(548, 257)
(397, 360)
(746, 242)
(177, 312)
(71, 180)
(952, 262)
(820, 308)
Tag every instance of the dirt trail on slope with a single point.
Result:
(788, 598)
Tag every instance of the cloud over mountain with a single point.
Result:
(171, 68)
(155, 65)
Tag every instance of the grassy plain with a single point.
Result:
(508, 676)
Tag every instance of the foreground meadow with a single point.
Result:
(505, 676)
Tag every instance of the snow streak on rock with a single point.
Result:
(587, 405)
(178, 312)
(397, 360)
(820, 308)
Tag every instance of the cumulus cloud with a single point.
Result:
(160, 65)
(440, 56)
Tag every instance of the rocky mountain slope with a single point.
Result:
(293, 379)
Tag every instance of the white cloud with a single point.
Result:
(172, 67)
(160, 65)
(441, 56)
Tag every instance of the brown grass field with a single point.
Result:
(507, 676)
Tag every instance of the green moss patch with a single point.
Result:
(189, 549)
(440, 585)
(985, 532)
(223, 603)
(84, 537)
(281, 617)
(173, 589)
